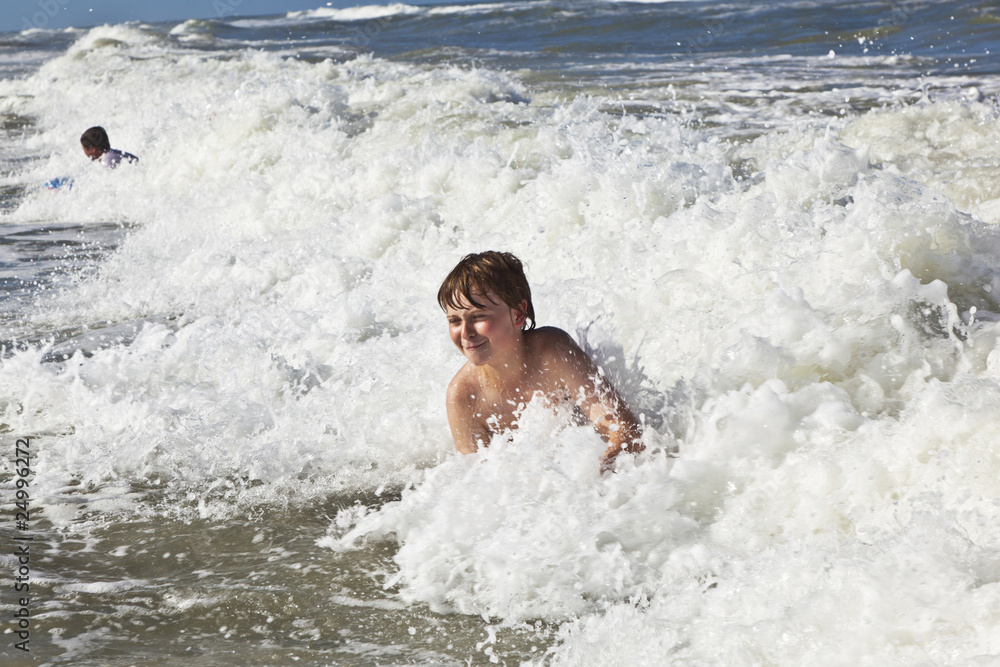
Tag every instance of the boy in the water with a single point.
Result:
(487, 300)
(97, 147)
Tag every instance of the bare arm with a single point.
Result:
(595, 396)
(465, 429)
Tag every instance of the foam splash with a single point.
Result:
(527, 529)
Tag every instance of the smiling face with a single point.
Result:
(488, 333)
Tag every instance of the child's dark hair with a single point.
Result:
(499, 272)
(96, 137)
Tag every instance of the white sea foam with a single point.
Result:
(946, 145)
(481, 7)
(359, 13)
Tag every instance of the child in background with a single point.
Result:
(97, 147)
(491, 319)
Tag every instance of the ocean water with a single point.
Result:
(774, 224)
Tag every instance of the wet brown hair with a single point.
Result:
(96, 137)
(499, 272)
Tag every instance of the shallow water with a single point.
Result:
(249, 594)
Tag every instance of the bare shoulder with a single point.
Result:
(551, 344)
(560, 359)
(467, 430)
(551, 338)
(463, 387)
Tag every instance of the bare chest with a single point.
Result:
(497, 409)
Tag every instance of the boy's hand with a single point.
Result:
(608, 460)
(612, 452)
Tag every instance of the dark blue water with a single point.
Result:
(561, 35)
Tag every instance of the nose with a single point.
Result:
(468, 330)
